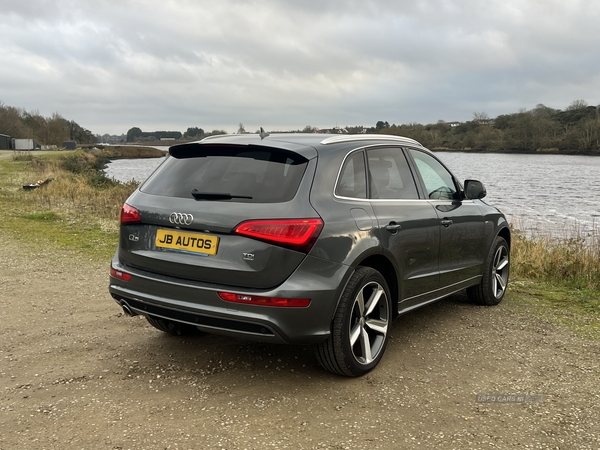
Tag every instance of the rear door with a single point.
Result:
(408, 226)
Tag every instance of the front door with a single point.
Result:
(462, 225)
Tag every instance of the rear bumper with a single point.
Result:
(199, 304)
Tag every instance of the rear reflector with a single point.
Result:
(119, 275)
(265, 301)
(297, 234)
(129, 214)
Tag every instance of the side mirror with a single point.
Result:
(474, 189)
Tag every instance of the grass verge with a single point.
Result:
(576, 309)
(79, 210)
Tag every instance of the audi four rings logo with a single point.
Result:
(181, 218)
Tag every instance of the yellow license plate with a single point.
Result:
(187, 242)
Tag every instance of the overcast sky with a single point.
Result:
(111, 65)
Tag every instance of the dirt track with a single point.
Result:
(76, 374)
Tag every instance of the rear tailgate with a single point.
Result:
(193, 239)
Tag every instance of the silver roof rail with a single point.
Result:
(217, 136)
(369, 137)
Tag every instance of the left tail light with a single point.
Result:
(129, 214)
(119, 274)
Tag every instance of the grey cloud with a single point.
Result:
(113, 64)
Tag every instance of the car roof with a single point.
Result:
(306, 144)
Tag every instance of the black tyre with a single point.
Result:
(171, 327)
(493, 285)
(360, 327)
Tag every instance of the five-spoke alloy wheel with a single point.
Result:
(361, 326)
(493, 285)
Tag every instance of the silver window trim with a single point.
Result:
(364, 148)
(378, 200)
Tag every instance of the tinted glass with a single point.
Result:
(390, 176)
(265, 175)
(438, 181)
(353, 179)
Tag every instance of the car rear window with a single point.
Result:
(258, 174)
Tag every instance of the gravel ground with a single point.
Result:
(75, 373)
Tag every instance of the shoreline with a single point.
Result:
(518, 152)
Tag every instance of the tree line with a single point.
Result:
(54, 130)
(576, 129)
(135, 134)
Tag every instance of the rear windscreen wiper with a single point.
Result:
(215, 195)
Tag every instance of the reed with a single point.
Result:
(568, 257)
(22, 155)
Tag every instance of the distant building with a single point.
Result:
(453, 124)
(69, 145)
(6, 142)
(25, 144)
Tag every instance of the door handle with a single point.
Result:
(447, 222)
(393, 227)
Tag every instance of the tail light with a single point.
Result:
(265, 301)
(119, 275)
(296, 234)
(129, 214)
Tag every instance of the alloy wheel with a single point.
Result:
(500, 271)
(369, 323)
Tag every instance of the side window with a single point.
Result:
(389, 175)
(438, 181)
(353, 180)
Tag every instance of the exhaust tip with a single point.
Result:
(127, 310)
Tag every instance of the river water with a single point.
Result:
(550, 194)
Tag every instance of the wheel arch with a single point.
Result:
(505, 233)
(385, 267)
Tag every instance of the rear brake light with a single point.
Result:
(119, 275)
(129, 214)
(297, 234)
(265, 301)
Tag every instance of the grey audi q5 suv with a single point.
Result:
(305, 239)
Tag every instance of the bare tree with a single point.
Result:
(577, 104)
(58, 130)
(480, 116)
(11, 121)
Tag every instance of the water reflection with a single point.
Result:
(125, 170)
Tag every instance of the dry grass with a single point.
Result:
(81, 191)
(75, 194)
(570, 257)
